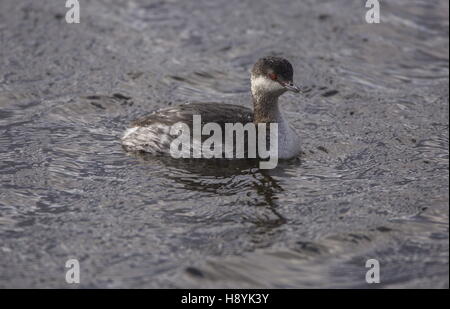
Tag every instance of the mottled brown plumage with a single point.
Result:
(210, 112)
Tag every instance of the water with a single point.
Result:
(372, 182)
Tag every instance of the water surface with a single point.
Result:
(372, 181)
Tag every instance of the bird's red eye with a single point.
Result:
(273, 76)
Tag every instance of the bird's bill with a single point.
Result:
(291, 87)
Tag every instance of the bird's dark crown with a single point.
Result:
(269, 66)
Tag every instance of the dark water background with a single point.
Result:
(372, 182)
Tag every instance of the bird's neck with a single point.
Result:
(265, 108)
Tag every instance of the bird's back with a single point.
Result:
(151, 133)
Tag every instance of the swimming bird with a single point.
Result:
(270, 78)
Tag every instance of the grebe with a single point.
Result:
(270, 78)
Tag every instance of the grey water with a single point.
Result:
(372, 181)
